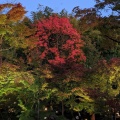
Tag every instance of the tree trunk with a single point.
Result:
(0, 56)
(62, 108)
(1, 51)
(93, 116)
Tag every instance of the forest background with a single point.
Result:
(53, 59)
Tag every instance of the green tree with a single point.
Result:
(43, 12)
(13, 84)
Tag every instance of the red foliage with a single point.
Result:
(114, 62)
(108, 65)
(59, 42)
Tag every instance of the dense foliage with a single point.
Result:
(68, 63)
(58, 41)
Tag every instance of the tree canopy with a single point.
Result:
(69, 63)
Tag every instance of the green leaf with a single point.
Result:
(3, 19)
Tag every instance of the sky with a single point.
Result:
(56, 5)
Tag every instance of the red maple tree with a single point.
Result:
(58, 41)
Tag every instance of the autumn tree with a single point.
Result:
(59, 42)
(104, 80)
(15, 13)
(16, 43)
(17, 35)
(60, 48)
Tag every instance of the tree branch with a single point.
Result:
(5, 49)
(112, 39)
